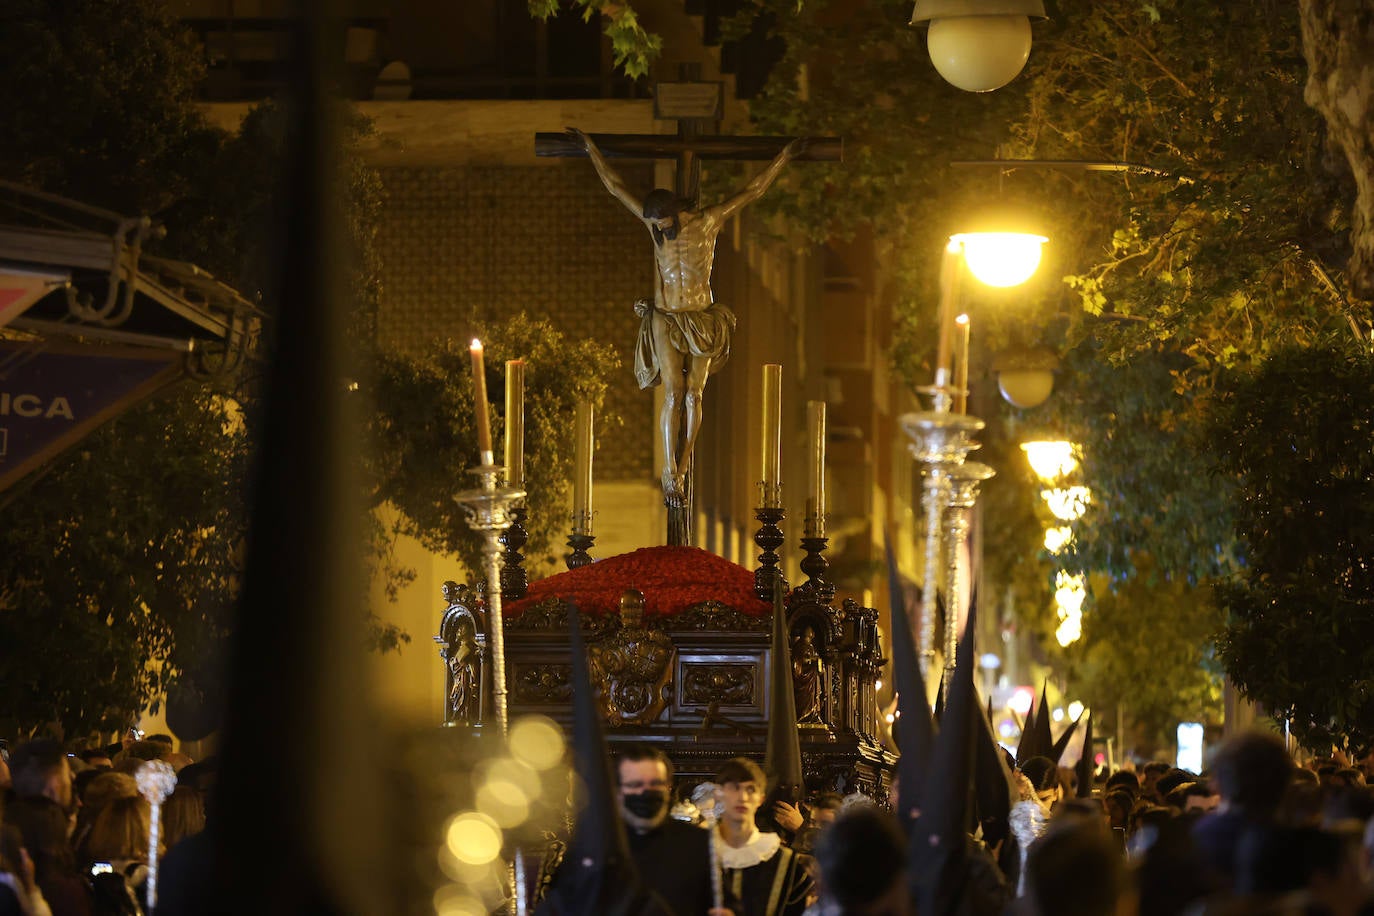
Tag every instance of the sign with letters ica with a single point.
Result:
(52, 397)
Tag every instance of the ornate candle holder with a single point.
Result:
(814, 564)
(964, 480)
(489, 508)
(769, 538)
(580, 540)
(939, 440)
(515, 582)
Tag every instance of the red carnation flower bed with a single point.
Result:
(671, 578)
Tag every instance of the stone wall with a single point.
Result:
(479, 243)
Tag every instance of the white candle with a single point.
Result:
(479, 393)
(515, 422)
(582, 468)
(772, 435)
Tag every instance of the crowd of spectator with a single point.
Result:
(75, 832)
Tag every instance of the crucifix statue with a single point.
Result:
(684, 334)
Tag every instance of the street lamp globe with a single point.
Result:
(978, 45)
(1001, 258)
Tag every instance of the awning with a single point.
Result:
(75, 271)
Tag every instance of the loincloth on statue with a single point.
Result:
(702, 333)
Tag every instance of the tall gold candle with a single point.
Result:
(815, 469)
(582, 468)
(479, 393)
(772, 435)
(961, 367)
(515, 422)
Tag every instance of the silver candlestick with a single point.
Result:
(940, 440)
(489, 509)
(964, 480)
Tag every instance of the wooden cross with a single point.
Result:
(692, 104)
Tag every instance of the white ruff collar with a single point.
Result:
(760, 848)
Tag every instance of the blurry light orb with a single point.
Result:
(508, 770)
(1050, 458)
(1020, 702)
(1001, 259)
(1057, 715)
(473, 838)
(979, 53)
(1075, 709)
(503, 801)
(454, 900)
(1069, 592)
(537, 741)
(1069, 631)
(1067, 503)
(1056, 539)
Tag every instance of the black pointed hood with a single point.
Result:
(914, 728)
(1086, 763)
(1037, 740)
(782, 760)
(994, 787)
(597, 873)
(1062, 745)
(939, 849)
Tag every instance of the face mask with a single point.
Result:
(647, 804)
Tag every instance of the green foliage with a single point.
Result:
(1146, 650)
(426, 441)
(1145, 458)
(122, 552)
(1299, 634)
(634, 49)
(1232, 242)
(101, 102)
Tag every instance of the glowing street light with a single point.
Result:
(1051, 459)
(1069, 592)
(1067, 503)
(1056, 539)
(1001, 259)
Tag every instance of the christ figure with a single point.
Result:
(684, 335)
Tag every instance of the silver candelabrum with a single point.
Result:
(940, 440)
(489, 509)
(964, 480)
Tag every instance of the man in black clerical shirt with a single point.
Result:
(674, 858)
